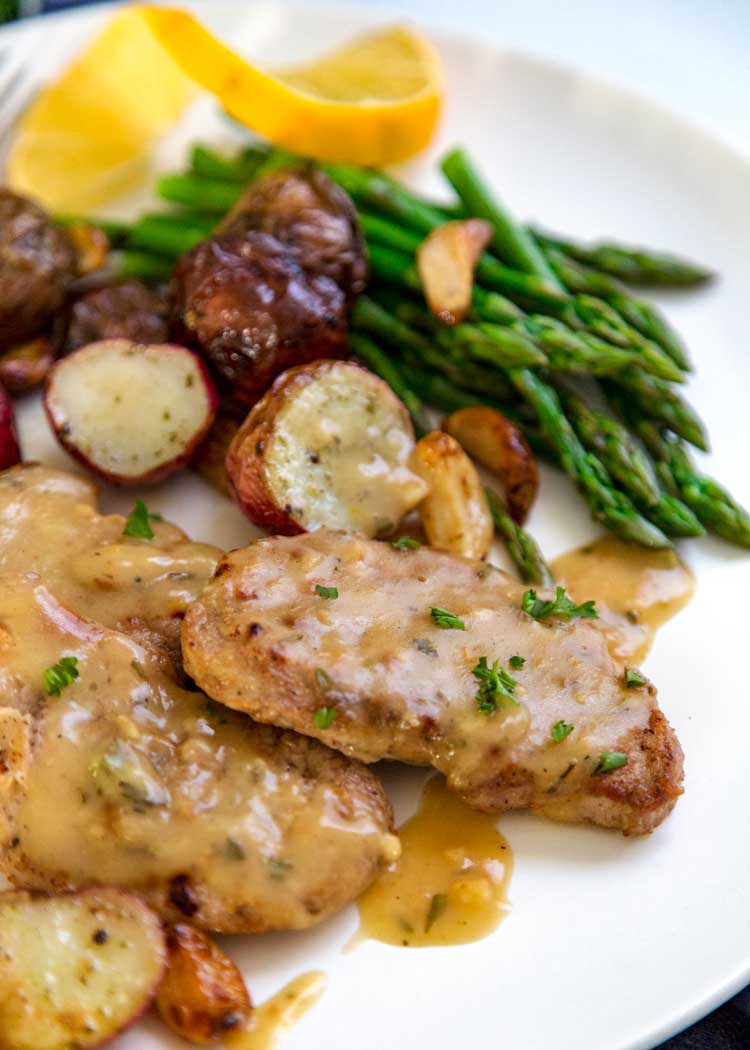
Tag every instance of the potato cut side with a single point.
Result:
(75, 969)
(130, 413)
(327, 446)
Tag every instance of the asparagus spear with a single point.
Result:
(164, 237)
(712, 504)
(513, 244)
(635, 265)
(380, 363)
(653, 399)
(607, 504)
(147, 267)
(240, 168)
(212, 196)
(640, 315)
(521, 546)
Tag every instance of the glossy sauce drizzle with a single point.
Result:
(449, 886)
(276, 1015)
(636, 590)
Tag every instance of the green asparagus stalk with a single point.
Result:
(153, 269)
(653, 399)
(384, 366)
(522, 547)
(240, 168)
(640, 315)
(607, 504)
(712, 504)
(211, 196)
(513, 244)
(642, 266)
(153, 234)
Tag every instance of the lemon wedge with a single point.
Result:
(374, 101)
(87, 136)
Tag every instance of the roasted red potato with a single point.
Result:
(25, 366)
(498, 444)
(75, 969)
(315, 218)
(132, 414)
(203, 996)
(246, 303)
(446, 261)
(10, 452)
(328, 445)
(455, 512)
(210, 459)
(91, 245)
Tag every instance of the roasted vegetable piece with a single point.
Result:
(203, 996)
(37, 260)
(210, 459)
(75, 969)
(455, 513)
(304, 209)
(10, 452)
(91, 245)
(25, 366)
(132, 414)
(243, 299)
(446, 260)
(129, 310)
(328, 445)
(498, 444)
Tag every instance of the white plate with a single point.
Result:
(612, 944)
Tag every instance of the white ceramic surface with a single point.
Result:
(612, 944)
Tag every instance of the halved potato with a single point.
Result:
(10, 452)
(75, 969)
(328, 445)
(455, 512)
(132, 414)
(498, 444)
(446, 260)
(203, 996)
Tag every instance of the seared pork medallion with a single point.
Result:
(129, 310)
(37, 260)
(430, 658)
(114, 774)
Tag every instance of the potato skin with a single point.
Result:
(150, 477)
(305, 210)
(202, 996)
(10, 452)
(243, 300)
(245, 462)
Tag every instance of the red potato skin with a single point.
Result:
(151, 477)
(245, 462)
(10, 450)
(148, 916)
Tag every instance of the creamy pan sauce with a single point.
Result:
(449, 885)
(636, 590)
(276, 1015)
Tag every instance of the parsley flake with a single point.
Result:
(560, 605)
(611, 760)
(438, 904)
(60, 675)
(517, 662)
(633, 680)
(137, 524)
(323, 717)
(495, 686)
(447, 620)
(560, 730)
(406, 543)
(326, 592)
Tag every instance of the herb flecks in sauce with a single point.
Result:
(495, 686)
(323, 717)
(60, 675)
(446, 620)
(633, 679)
(517, 662)
(611, 760)
(137, 524)
(561, 605)
(560, 730)
(330, 593)
(406, 543)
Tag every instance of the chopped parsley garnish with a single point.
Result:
(445, 619)
(495, 686)
(233, 850)
(438, 904)
(406, 543)
(137, 524)
(517, 662)
(633, 680)
(60, 675)
(322, 680)
(326, 592)
(278, 867)
(560, 730)
(560, 605)
(323, 717)
(611, 760)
